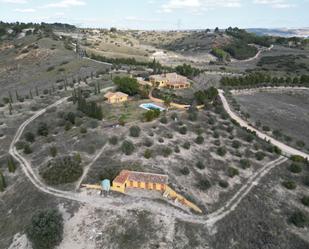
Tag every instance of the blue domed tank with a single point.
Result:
(106, 184)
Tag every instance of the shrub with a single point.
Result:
(42, 129)
(161, 140)
(295, 168)
(223, 184)
(249, 138)
(306, 181)
(174, 116)
(166, 152)
(221, 151)
(186, 145)
(62, 170)
(259, 155)
(231, 172)
(216, 134)
(45, 229)
(289, 185)
(305, 200)
(27, 149)
(29, 137)
(113, 140)
(53, 151)
(199, 140)
(2, 182)
(244, 163)
(299, 159)
(192, 116)
(68, 126)
(169, 135)
(135, 131)
(148, 153)
(266, 128)
(127, 147)
(204, 184)
(71, 117)
(177, 150)
(300, 144)
(148, 142)
(20, 145)
(164, 120)
(185, 171)
(83, 130)
(236, 144)
(299, 219)
(151, 115)
(183, 130)
(200, 165)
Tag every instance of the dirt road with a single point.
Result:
(119, 203)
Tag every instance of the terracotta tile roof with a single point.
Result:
(147, 177)
(122, 177)
(171, 78)
(116, 94)
(140, 177)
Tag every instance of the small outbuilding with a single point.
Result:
(117, 97)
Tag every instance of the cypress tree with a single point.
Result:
(17, 96)
(10, 97)
(30, 94)
(2, 182)
(11, 165)
(37, 91)
(10, 108)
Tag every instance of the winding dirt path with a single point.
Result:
(119, 204)
(287, 150)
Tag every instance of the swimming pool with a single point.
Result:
(149, 106)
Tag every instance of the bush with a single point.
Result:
(46, 229)
(68, 126)
(148, 153)
(62, 170)
(221, 151)
(135, 131)
(244, 163)
(305, 200)
(223, 184)
(161, 140)
(2, 182)
(164, 120)
(53, 151)
(295, 168)
(166, 152)
(289, 185)
(259, 155)
(113, 140)
(300, 144)
(151, 115)
(200, 165)
(42, 129)
(177, 150)
(183, 130)
(148, 142)
(249, 138)
(29, 137)
(236, 144)
(27, 149)
(83, 130)
(231, 172)
(199, 140)
(127, 147)
(204, 184)
(186, 145)
(20, 145)
(185, 171)
(299, 219)
(266, 128)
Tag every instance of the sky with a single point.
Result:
(160, 14)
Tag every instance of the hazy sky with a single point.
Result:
(160, 14)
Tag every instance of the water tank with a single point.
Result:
(106, 184)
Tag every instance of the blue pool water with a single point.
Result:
(149, 106)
